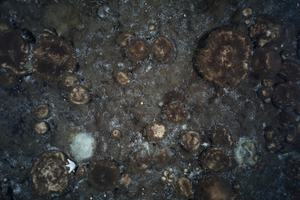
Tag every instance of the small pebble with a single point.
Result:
(166, 172)
(151, 27)
(247, 21)
(247, 12)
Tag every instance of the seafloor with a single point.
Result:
(92, 27)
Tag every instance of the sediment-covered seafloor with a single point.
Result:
(149, 99)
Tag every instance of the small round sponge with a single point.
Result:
(245, 153)
(82, 146)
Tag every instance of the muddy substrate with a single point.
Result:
(93, 27)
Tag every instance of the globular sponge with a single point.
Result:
(82, 146)
(245, 153)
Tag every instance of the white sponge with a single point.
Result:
(82, 146)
